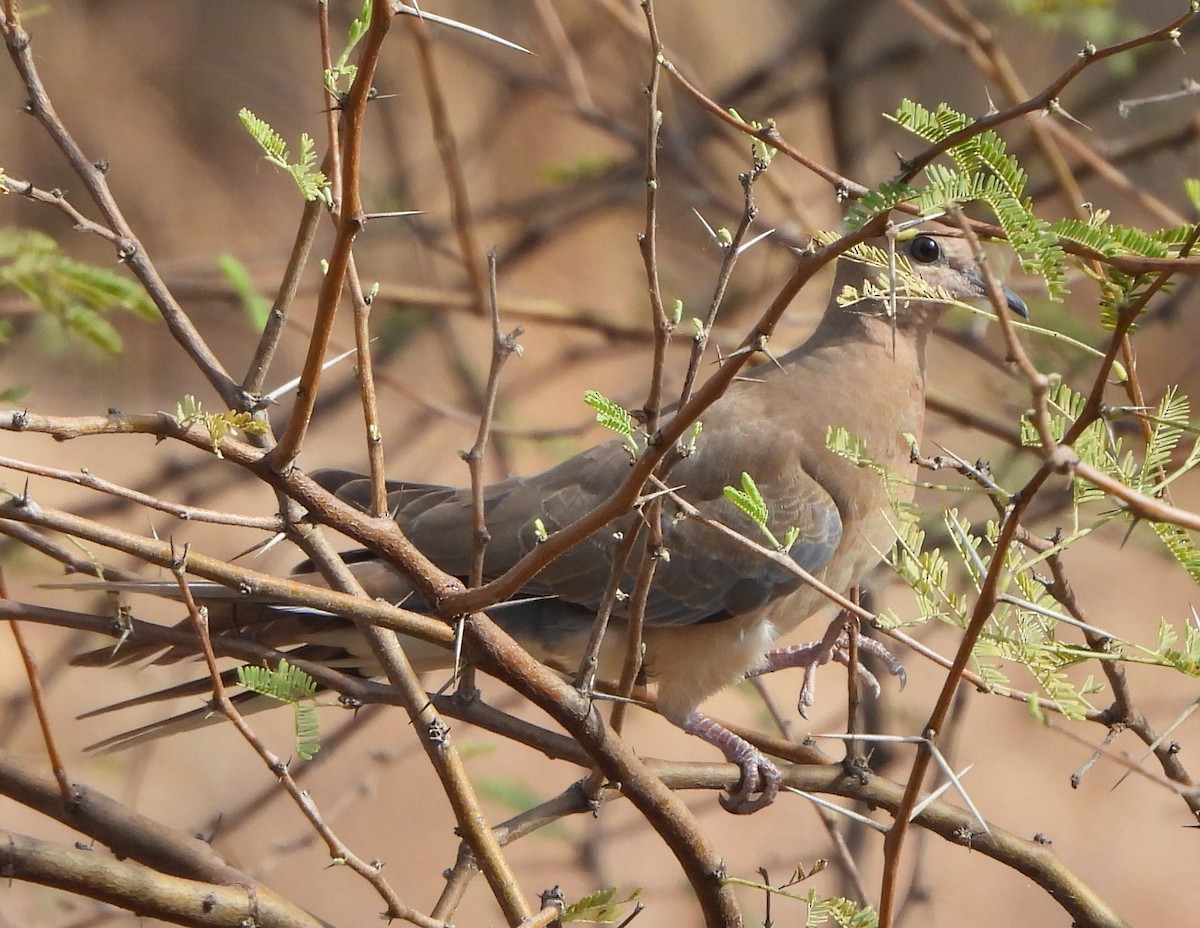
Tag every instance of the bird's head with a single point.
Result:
(948, 263)
(933, 267)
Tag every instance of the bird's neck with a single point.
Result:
(873, 321)
(880, 370)
(866, 337)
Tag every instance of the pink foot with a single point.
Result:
(813, 654)
(759, 775)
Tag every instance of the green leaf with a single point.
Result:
(1191, 187)
(984, 171)
(289, 684)
(219, 425)
(884, 198)
(313, 184)
(585, 168)
(1185, 659)
(94, 328)
(613, 417)
(285, 683)
(77, 295)
(1179, 543)
(516, 794)
(256, 306)
(599, 908)
(339, 77)
(750, 501)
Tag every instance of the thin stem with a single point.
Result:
(648, 240)
(447, 146)
(66, 789)
(349, 225)
(503, 346)
(338, 850)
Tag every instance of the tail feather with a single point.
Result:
(229, 613)
(192, 720)
(201, 686)
(304, 635)
(552, 630)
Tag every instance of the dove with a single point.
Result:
(717, 607)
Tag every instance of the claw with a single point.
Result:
(759, 775)
(808, 690)
(843, 657)
(813, 654)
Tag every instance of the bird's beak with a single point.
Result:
(1015, 303)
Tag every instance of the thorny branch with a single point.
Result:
(374, 532)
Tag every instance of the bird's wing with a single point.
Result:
(704, 577)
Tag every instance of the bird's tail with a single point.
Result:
(257, 631)
(254, 632)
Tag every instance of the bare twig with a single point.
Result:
(349, 224)
(731, 250)
(125, 884)
(502, 347)
(663, 441)
(447, 146)
(85, 478)
(648, 240)
(129, 249)
(338, 851)
(39, 706)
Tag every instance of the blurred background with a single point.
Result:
(551, 146)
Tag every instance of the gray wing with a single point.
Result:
(706, 577)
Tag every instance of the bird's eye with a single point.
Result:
(925, 249)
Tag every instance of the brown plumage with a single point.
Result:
(716, 607)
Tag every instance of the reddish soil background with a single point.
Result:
(155, 89)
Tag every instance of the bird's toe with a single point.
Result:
(756, 789)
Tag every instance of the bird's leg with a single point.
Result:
(759, 775)
(834, 646)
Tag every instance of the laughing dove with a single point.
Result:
(717, 607)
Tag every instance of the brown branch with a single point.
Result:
(502, 347)
(447, 147)
(985, 602)
(1124, 713)
(661, 444)
(250, 582)
(1047, 99)
(39, 705)
(366, 389)
(145, 892)
(499, 655)
(731, 251)
(850, 189)
(264, 352)
(434, 735)
(648, 239)
(349, 225)
(72, 559)
(126, 628)
(976, 40)
(1037, 861)
(131, 835)
(58, 200)
(86, 478)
